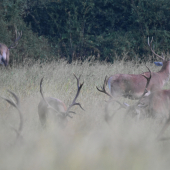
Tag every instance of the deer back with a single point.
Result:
(132, 86)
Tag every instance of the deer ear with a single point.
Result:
(158, 63)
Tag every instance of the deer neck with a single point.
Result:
(165, 71)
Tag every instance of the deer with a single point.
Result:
(138, 109)
(4, 50)
(156, 105)
(17, 106)
(57, 107)
(132, 85)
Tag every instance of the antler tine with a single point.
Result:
(41, 81)
(150, 46)
(16, 40)
(79, 86)
(15, 96)
(10, 102)
(41, 92)
(148, 81)
(48, 105)
(150, 43)
(103, 89)
(16, 105)
(147, 78)
(77, 80)
(20, 35)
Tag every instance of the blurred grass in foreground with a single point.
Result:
(87, 142)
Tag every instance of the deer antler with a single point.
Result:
(79, 86)
(41, 92)
(16, 105)
(48, 105)
(16, 40)
(148, 81)
(103, 90)
(150, 46)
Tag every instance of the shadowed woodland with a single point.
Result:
(77, 30)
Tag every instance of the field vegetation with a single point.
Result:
(87, 142)
(58, 38)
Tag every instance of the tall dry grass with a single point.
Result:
(87, 142)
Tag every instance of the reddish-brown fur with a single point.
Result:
(4, 52)
(132, 86)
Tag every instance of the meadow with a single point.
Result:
(88, 141)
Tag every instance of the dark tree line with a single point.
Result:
(78, 29)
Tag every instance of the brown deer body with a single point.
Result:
(4, 50)
(134, 110)
(57, 107)
(132, 86)
(156, 105)
(4, 54)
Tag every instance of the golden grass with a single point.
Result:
(87, 142)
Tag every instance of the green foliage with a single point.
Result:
(79, 29)
(30, 46)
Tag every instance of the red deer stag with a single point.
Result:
(58, 108)
(132, 86)
(4, 50)
(156, 105)
(16, 105)
(137, 109)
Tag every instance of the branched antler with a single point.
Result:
(16, 105)
(148, 81)
(16, 40)
(109, 117)
(79, 86)
(150, 46)
(48, 105)
(124, 105)
(103, 89)
(66, 113)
